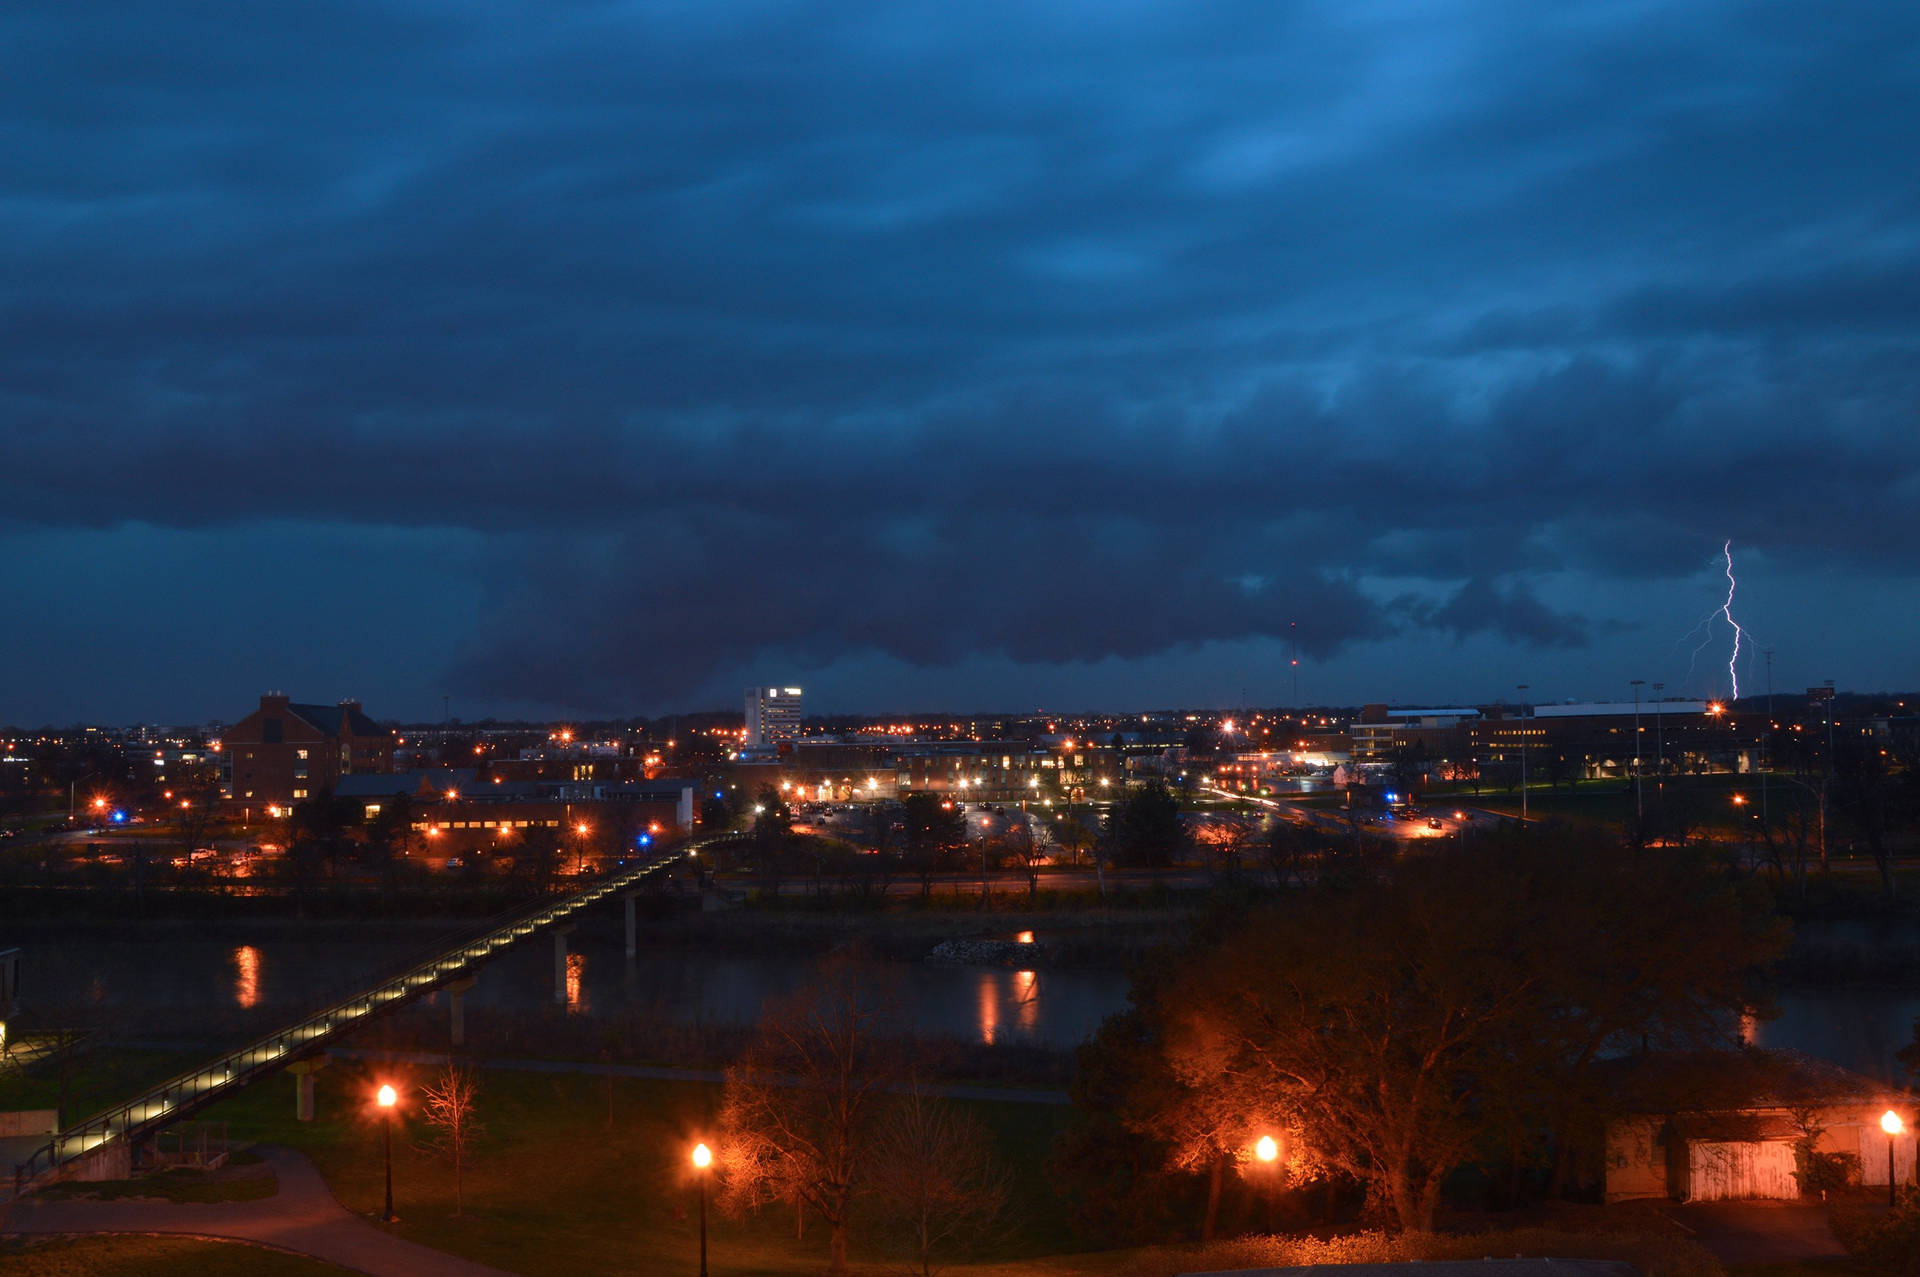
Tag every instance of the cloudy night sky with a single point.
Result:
(581, 358)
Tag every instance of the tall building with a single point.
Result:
(773, 716)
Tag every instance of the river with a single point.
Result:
(187, 978)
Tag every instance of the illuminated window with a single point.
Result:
(299, 793)
(373, 809)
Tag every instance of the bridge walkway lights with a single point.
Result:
(181, 1095)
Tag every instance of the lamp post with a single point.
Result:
(1523, 761)
(387, 1098)
(1890, 1123)
(1659, 741)
(702, 1159)
(1639, 790)
(1266, 1148)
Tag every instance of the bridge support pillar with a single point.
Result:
(457, 998)
(633, 933)
(560, 935)
(303, 1071)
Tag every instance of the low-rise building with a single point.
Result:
(286, 751)
(1713, 1125)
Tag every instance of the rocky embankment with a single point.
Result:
(1012, 954)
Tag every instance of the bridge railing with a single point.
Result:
(186, 1092)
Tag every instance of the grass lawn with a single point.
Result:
(98, 1078)
(555, 1188)
(179, 1184)
(153, 1257)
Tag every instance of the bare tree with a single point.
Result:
(449, 1111)
(935, 1176)
(801, 1104)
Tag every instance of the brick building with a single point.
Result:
(284, 752)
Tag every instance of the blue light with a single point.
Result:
(645, 840)
(718, 794)
(118, 818)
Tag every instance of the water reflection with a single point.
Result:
(246, 975)
(1008, 1005)
(1027, 999)
(576, 971)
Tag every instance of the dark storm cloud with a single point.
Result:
(1055, 332)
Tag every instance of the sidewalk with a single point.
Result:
(303, 1217)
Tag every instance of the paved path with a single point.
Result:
(303, 1217)
(1759, 1232)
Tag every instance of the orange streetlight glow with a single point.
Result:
(702, 1156)
(1266, 1149)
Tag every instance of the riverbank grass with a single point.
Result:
(558, 1186)
(152, 1257)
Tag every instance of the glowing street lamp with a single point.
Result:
(1266, 1148)
(386, 1099)
(1890, 1123)
(702, 1159)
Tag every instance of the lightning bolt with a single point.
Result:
(1703, 627)
(1726, 610)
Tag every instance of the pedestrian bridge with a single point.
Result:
(110, 1136)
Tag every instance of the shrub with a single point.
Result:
(1883, 1241)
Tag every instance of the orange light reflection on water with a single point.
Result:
(576, 968)
(1026, 988)
(246, 980)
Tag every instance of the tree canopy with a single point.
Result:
(1395, 1028)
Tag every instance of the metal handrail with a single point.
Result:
(180, 1095)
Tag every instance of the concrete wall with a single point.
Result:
(29, 1122)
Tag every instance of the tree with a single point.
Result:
(934, 1175)
(390, 837)
(1144, 828)
(449, 1113)
(800, 1106)
(772, 819)
(1288, 847)
(1864, 797)
(1397, 1025)
(1224, 841)
(931, 827)
(537, 858)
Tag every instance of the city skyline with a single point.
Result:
(1026, 356)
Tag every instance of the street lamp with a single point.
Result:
(387, 1098)
(1523, 760)
(702, 1159)
(1639, 804)
(1266, 1149)
(1890, 1123)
